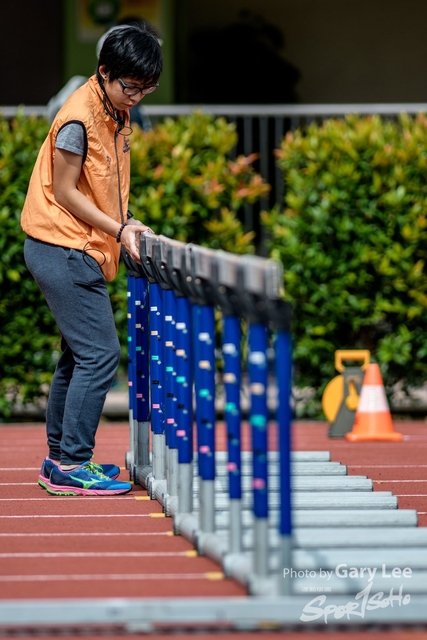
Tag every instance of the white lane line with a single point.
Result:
(19, 449)
(383, 481)
(110, 450)
(353, 466)
(86, 515)
(19, 468)
(18, 484)
(118, 576)
(101, 554)
(58, 499)
(387, 466)
(410, 495)
(74, 535)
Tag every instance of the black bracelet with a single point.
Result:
(119, 233)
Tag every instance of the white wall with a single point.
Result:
(346, 50)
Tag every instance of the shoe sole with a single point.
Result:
(57, 490)
(43, 481)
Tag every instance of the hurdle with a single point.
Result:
(216, 322)
(175, 296)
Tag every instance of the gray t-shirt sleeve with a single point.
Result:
(72, 137)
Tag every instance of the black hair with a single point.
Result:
(133, 52)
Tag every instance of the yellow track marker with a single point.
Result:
(157, 515)
(214, 575)
(192, 553)
(142, 498)
(170, 533)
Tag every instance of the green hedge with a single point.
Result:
(183, 185)
(183, 179)
(353, 240)
(28, 337)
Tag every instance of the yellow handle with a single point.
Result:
(351, 354)
(352, 399)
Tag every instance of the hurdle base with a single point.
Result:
(132, 614)
(235, 565)
(159, 490)
(186, 525)
(211, 545)
(156, 489)
(144, 476)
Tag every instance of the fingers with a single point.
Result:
(137, 223)
(130, 241)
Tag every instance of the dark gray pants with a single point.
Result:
(75, 290)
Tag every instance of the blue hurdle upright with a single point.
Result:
(198, 299)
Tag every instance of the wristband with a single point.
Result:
(119, 233)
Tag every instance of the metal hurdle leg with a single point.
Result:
(258, 380)
(156, 361)
(232, 381)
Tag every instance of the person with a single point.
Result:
(76, 220)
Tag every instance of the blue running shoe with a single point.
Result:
(110, 470)
(85, 480)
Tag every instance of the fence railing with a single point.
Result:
(175, 297)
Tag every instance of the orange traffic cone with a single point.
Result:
(373, 419)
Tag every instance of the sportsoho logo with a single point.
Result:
(364, 601)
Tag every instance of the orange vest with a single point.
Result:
(44, 219)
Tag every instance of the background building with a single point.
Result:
(306, 51)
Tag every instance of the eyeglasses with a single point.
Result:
(130, 90)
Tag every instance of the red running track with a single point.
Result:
(71, 547)
(68, 547)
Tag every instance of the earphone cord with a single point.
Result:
(86, 253)
(111, 111)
